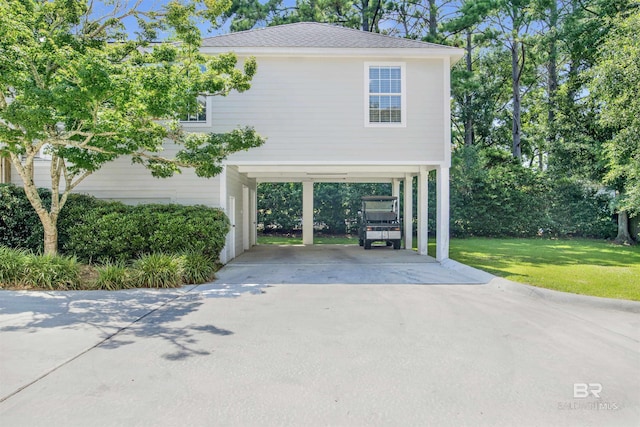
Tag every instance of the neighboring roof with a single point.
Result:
(314, 35)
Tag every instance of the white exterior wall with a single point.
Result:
(133, 184)
(234, 188)
(312, 109)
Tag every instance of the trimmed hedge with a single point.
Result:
(95, 230)
(493, 196)
(20, 226)
(119, 232)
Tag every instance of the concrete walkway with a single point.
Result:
(247, 354)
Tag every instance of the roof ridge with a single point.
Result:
(327, 25)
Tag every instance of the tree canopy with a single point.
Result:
(616, 81)
(75, 85)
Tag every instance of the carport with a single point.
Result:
(397, 174)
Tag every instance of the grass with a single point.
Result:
(268, 239)
(580, 266)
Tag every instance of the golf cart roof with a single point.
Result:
(378, 198)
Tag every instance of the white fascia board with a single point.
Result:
(332, 173)
(334, 163)
(333, 180)
(454, 54)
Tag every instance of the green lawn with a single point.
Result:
(581, 266)
(267, 239)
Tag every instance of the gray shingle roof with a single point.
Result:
(313, 35)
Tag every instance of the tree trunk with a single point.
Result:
(48, 218)
(468, 97)
(552, 80)
(365, 15)
(515, 86)
(50, 238)
(624, 235)
(433, 21)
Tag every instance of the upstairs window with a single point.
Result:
(198, 113)
(385, 95)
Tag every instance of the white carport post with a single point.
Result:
(307, 212)
(442, 233)
(395, 188)
(423, 228)
(253, 195)
(408, 212)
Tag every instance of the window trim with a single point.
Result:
(208, 105)
(403, 95)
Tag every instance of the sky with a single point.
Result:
(148, 5)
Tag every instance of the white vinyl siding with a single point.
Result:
(132, 184)
(316, 110)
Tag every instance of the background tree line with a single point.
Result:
(546, 99)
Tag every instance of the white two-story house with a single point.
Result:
(336, 105)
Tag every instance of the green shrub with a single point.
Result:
(74, 211)
(197, 268)
(122, 233)
(579, 211)
(157, 271)
(20, 226)
(108, 232)
(113, 276)
(93, 229)
(12, 265)
(176, 228)
(53, 272)
(491, 195)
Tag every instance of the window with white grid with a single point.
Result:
(198, 113)
(385, 94)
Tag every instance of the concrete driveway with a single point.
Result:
(247, 354)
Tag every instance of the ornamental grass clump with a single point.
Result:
(157, 270)
(114, 276)
(52, 272)
(12, 265)
(197, 267)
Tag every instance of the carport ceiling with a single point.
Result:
(329, 173)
